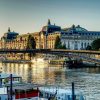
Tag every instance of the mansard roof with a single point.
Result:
(79, 31)
(10, 35)
(44, 28)
(78, 28)
(75, 29)
(50, 28)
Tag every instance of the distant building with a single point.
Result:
(48, 35)
(78, 38)
(75, 38)
(7, 39)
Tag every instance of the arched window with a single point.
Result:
(76, 45)
(85, 45)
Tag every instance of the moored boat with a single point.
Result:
(60, 94)
(12, 88)
(52, 93)
(25, 92)
(5, 80)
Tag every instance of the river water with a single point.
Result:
(87, 80)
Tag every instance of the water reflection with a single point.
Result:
(86, 80)
(89, 70)
(35, 73)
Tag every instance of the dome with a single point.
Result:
(80, 29)
(10, 35)
(75, 29)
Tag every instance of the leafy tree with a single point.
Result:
(88, 47)
(64, 46)
(96, 44)
(31, 44)
(58, 44)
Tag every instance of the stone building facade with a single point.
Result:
(78, 38)
(75, 38)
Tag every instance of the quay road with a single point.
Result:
(55, 51)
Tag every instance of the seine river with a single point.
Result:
(87, 80)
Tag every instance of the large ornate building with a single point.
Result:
(78, 38)
(12, 40)
(75, 38)
(48, 35)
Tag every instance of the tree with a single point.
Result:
(96, 44)
(88, 47)
(31, 44)
(64, 46)
(58, 44)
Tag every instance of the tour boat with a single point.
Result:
(25, 92)
(12, 88)
(52, 93)
(5, 81)
(60, 94)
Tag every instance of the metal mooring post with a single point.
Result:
(73, 91)
(11, 87)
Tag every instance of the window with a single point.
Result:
(70, 33)
(82, 45)
(85, 44)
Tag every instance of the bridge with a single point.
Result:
(86, 55)
(47, 51)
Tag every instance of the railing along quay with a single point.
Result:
(47, 51)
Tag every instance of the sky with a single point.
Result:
(25, 16)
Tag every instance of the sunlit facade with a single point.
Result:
(12, 40)
(75, 38)
(48, 35)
